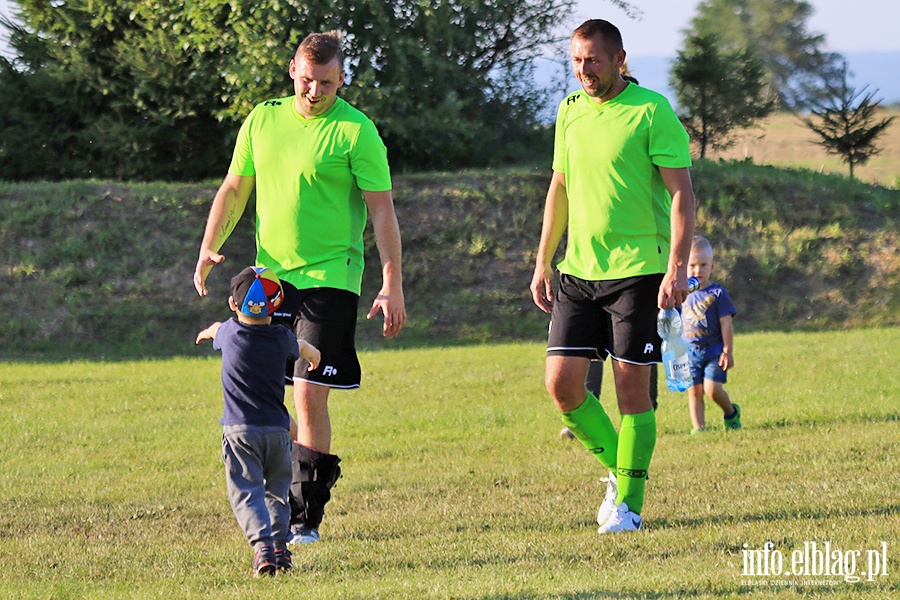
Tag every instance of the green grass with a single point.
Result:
(456, 484)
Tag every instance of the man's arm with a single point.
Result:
(226, 211)
(556, 220)
(387, 237)
(674, 288)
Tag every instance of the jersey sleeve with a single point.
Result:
(242, 158)
(559, 140)
(669, 142)
(368, 160)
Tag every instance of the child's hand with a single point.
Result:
(209, 333)
(311, 354)
(726, 360)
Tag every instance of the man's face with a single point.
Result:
(596, 69)
(315, 86)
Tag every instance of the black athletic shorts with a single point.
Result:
(326, 318)
(596, 319)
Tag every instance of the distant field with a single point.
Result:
(783, 140)
(456, 484)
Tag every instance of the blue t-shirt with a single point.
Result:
(253, 361)
(701, 314)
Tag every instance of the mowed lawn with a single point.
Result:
(456, 483)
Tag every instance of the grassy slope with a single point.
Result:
(96, 268)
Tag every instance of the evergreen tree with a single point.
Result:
(717, 91)
(847, 122)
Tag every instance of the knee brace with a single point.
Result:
(315, 473)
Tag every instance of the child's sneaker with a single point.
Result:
(697, 431)
(264, 561)
(734, 421)
(283, 560)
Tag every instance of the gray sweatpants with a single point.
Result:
(258, 471)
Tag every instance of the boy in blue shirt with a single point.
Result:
(707, 315)
(256, 441)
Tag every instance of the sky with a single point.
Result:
(868, 26)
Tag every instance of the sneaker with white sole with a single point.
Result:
(608, 507)
(304, 535)
(622, 520)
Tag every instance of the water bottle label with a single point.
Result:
(681, 368)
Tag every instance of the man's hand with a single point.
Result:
(673, 290)
(394, 308)
(205, 263)
(542, 288)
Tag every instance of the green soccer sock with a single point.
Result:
(636, 442)
(591, 426)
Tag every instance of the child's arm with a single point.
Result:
(209, 333)
(310, 353)
(726, 359)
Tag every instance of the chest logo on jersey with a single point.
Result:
(272, 103)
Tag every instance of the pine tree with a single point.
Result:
(848, 125)
(717, 91)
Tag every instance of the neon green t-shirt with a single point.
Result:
(310, 173)
(618, 205)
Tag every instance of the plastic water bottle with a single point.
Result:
(675, 360)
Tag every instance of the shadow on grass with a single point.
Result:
(772, 516)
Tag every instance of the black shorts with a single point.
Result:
(594, 319)
(326, 318)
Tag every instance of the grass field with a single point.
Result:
(455, 484)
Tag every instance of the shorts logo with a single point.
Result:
(648, 348)
(329, 370)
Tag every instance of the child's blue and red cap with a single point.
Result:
(257, 291)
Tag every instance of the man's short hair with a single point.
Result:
(322, 48)
(611, 35)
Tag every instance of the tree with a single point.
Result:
(848, 125)
(166, 83)
(717, 91)
(795, 61)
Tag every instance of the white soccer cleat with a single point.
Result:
(622, 520)
(608, 507)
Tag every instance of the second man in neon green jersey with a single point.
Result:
(320, 169)
(622, 192)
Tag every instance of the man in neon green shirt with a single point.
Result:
(319, 167)
(622, 192)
